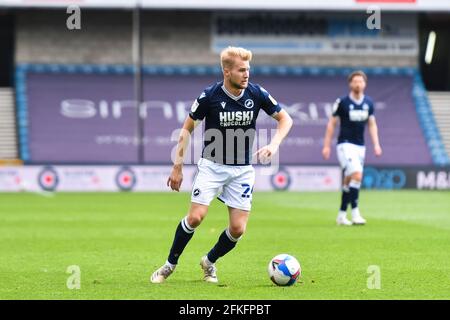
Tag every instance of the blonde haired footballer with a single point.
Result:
(229, 109)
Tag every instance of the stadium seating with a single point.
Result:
(105, 38)
(428, 124)
(104, 46)
(440, 103)
(8, 141)
(168, 93)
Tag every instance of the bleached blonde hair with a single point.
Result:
(228, 55)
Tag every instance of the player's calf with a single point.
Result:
(183, 235)
(355, 185)
(345, 200)
(225, 244)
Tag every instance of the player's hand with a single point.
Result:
(266, 153)
(326, 152)
(175, 179)
(377, 150)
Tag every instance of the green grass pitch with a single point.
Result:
(118, 239)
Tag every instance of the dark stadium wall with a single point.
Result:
(436, 75)
(6, 48)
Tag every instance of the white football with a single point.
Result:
(284, 270)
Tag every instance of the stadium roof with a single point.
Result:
(329, 5)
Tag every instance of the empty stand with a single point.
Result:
(8, 139)
(168, 38)
(440, 103)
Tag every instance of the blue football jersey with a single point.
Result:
(353, 117)
(230, 121)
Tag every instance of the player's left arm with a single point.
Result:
(283, 127)
(273, 108)
(373, 132)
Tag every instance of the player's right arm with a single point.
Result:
(198, 112)
(329, 132)
(176, 176)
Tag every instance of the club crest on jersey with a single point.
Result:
(365, 106)
(223, 104)
(352, 107)
(249, 103)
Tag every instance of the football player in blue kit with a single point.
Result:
(353, 112)
(230, 109)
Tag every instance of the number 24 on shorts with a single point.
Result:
(247, 190)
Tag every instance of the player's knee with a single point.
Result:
(237, 230)
(357, 176)
(195, 219)
(346, 180)
(196, 214)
